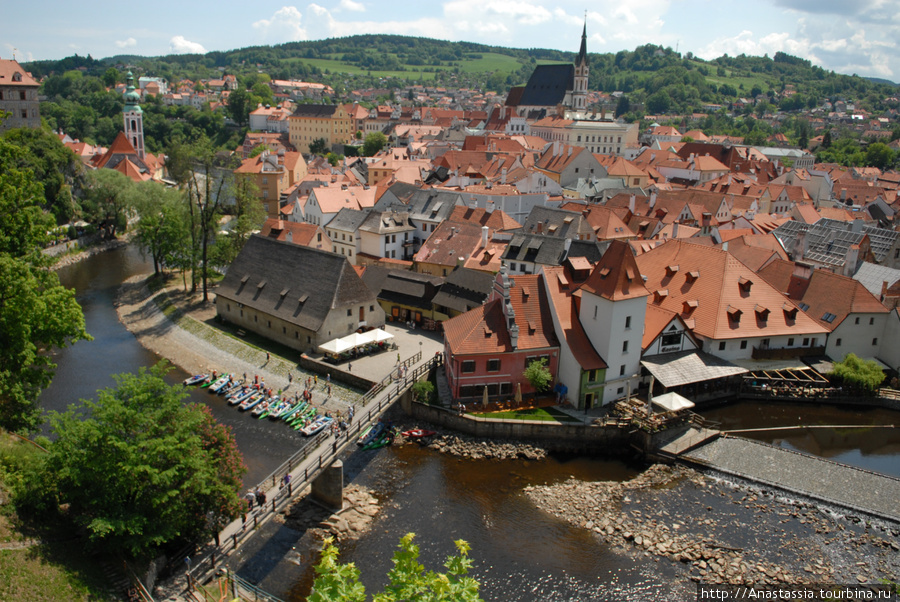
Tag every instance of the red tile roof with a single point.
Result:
(616, 276)
(823, 292)
(722, 289)
(483, 329)
(561, 298)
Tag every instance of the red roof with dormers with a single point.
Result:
(483, 330)
(616, 276)
(722, 297)
(823, 292)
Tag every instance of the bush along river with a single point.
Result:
(557, 528)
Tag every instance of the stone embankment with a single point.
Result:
(74, 258)
(483, 449)
(677, 513)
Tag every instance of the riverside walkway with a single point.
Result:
(824, 480)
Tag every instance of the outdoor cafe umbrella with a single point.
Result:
(485, 398)
(518, 392)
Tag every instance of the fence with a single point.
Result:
(317, 456)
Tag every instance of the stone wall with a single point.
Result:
(553, 436)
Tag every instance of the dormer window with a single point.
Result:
(745, 284)
(692, 276)
(734, 313)
(790, 311)
(661, 294)
(671, 270)
(762, 313)
(688, 307)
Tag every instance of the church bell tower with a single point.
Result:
(582, 70)
(134, 117)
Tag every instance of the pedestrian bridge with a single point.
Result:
(309, 463)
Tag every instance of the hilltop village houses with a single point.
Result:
(536, 228)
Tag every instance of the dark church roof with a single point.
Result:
(548, 85)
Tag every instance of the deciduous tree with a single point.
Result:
(538, 375)
(139, 469)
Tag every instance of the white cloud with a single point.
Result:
(126, 43)
(180, 45)
(353, 6)
(284, 26)
(494, 12)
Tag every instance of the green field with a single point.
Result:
(489, 62)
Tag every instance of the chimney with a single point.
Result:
(289, 237)
(631, 204)
(570, 151)
(675, 230)
(653, 199)
(802, 271)
(484, 236)
(884, 290)
(503, 176)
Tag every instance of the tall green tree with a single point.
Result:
(107, 200)
(248, 217)
(36, 312)
(373, 143)
(162, 227)
(139, 469)
(336, 582)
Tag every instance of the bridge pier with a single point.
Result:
(328, 488)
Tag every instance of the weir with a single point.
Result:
(833, 483)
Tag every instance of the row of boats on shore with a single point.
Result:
(297, 412)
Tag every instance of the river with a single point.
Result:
(521, 553)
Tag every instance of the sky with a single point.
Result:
(846, 36)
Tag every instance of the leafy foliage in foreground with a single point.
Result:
(409, 581)
(139, 469)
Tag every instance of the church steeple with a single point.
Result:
(582, 70)
(582, 52)
(134, 117)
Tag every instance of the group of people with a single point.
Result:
(257, 496)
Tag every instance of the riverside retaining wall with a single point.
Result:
(554, 436)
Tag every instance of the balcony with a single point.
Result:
(786, 353)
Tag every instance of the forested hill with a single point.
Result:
(653, 79)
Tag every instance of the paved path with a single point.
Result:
(813, 477)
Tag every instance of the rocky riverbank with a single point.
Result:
(72, 258)
(719, 533)
(353, 520)
(473, 448)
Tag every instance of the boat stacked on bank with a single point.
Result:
(261, 402)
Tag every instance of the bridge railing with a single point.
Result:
(317, 456)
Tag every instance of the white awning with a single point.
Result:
(378, 335)
(672, 402)
(335, 346)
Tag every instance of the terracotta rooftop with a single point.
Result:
(724, 298)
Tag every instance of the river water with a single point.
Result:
(520, 552)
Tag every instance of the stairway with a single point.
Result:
(443, 389)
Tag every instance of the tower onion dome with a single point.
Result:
(132, 98)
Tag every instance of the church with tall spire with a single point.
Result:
(553, 89)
